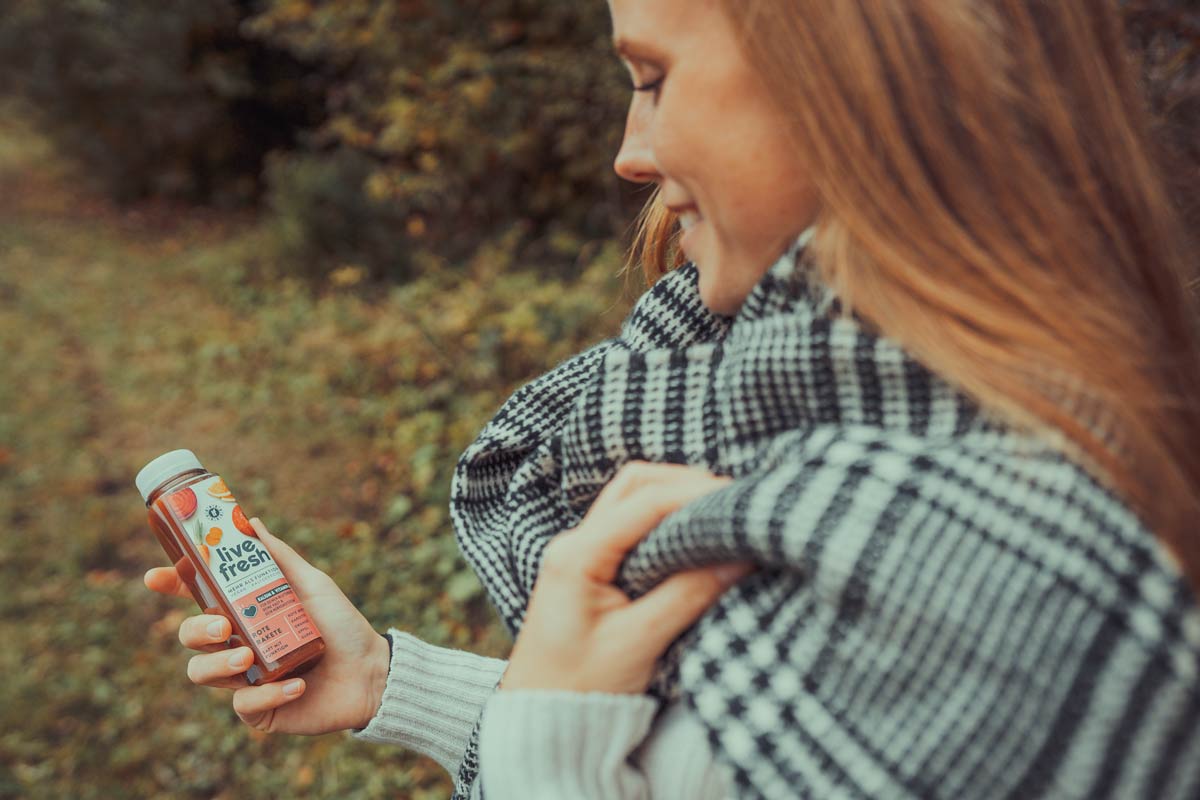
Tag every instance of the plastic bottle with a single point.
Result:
(229, 571)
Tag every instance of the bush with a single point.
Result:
(324, 217)
(464, 120)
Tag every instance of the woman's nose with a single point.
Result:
(635, 160)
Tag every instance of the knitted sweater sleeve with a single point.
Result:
(534, 743)
(548, 744)
(433, 697)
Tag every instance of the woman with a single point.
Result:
(954, 427)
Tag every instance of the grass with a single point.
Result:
(335, 413)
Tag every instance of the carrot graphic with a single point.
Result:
(198, 538)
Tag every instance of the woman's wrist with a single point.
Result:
(379, 665)
(433, 698)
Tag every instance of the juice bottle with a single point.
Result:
(226, 566)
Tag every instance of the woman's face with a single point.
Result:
(710, 137)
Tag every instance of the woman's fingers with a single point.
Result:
(204, 629)
(670, 608)
(165, 580)
(609, 532)
(636, 474)
(256, 704)
(222, 670)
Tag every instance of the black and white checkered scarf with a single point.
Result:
(944, 608)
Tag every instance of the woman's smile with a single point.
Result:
(690, 221)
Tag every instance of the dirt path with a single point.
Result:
(130, 332)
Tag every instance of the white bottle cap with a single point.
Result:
(166, 466)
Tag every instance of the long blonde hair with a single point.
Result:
(992, 199)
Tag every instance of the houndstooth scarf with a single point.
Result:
(944, 608)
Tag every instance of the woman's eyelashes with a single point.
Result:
(652, 87)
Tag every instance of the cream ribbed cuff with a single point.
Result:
(434, 696)
(539, 744)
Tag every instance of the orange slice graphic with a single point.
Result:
(241, 523)
(214, 536)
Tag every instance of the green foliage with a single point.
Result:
(454, 122)
(158, 97)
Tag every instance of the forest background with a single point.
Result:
(318, 243)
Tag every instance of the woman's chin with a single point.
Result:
(716, 298)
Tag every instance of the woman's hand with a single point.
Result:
(580, 632)
(342, 691)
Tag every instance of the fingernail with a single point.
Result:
(732, 573)
(215, 629)
(292, 689)
(240, 660)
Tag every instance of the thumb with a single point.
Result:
(670, 608)
(302, 575)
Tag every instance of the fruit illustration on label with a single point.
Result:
(214, 536)
(204, 552)
(219, 490)
(241, 523)
(183, 503)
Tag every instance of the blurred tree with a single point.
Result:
(159, 97)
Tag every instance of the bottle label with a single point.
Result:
(242, 568)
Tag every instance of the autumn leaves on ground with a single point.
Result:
(335, 412)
